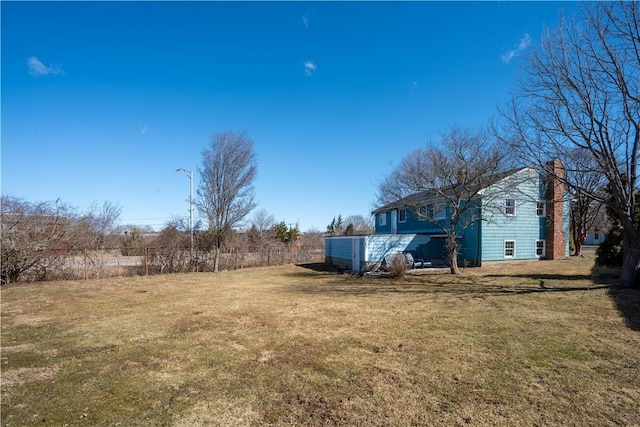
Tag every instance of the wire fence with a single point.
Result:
(152, 260)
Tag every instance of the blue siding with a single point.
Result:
(383, 229)
(413, 224)
(524, 228)
(338, 250)
(471, 244)
(373, 249)
(484, 240)
(377, 247)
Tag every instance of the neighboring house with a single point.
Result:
(595, 236)
(517, 215)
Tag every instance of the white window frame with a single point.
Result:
(541, 204)
(513, 249)
(402, 213)
(544, 248)
(382, 219)
(508, 207)
(422, 213)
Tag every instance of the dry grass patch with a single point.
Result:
(519, 344)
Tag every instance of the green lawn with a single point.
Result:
(535, 343)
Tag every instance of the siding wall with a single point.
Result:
(485, 241)
(339, 250)
(378, 246)
(383, 229)
(591, 240)
(525, 227)
(414, 225)
(411, 225)
(470, 251)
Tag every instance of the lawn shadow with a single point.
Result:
(463, 286)
(627, 302)
(321, 267)
(600, 279)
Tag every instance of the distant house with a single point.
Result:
(520, 215)
(595, 236)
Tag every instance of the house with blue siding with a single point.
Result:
(521, 214)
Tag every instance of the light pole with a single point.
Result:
(190, 175)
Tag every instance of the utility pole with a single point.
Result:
(190, 175)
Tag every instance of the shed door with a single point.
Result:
(355, 253)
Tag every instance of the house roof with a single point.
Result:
(438, 196)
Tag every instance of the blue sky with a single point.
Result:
(104, 100)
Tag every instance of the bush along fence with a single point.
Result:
(147, 260)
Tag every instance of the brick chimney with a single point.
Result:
(556, 236)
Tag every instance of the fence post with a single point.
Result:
(146, 261)
(84, 258)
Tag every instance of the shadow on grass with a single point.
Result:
(321, 267)
(464, 286)
(627, 300)
(628, 304)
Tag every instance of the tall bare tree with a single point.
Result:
(225, 193)
(581, 89)
(452, 173)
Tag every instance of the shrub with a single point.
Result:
(398, 266)
(610, 252)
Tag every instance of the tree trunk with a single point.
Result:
(454, 263)
(577, 244)
(629, 277)
(452, 249)
(216, 258)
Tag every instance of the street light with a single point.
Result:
(190, 175)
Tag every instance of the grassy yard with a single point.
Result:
(536, 343)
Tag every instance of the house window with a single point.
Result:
(402, 215)
(509, 248)
(596, 236)
(540, 248)
(422, 213)
(510, 207)
(541, 208)
(382, 219)
(441, 212)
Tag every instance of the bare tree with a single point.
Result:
(89, 233)
(260, 234)
(262, 223)
(170, 253)
(225, 193)
(584, 181)
(102, 219)
(452, 176)
(34, 237)
(358, 224)
(581, 89)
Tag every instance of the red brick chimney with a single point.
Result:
(556, 236)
